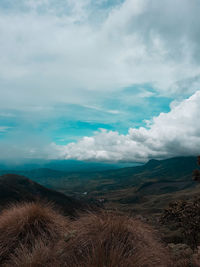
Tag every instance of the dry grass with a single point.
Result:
(40, 255)
(34, 235)
(112, 240)
(24, 225)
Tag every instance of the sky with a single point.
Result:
(99, 80)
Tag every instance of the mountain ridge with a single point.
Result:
(15, 188)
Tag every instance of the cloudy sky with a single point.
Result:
(105, 80)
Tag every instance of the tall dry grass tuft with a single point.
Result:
(24, 225)
(112, 240)
(34, 235)
(39, 255)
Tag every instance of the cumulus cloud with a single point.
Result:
(175, 133)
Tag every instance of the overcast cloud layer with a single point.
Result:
(60, 54)
(56, 51)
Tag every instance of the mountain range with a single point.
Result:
(143, 189)
(60, 165)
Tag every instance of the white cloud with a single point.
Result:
(176, 133)
(67, 51)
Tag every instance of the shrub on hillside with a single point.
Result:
(196, 172)
(186, 216)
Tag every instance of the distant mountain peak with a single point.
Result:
(152, 163)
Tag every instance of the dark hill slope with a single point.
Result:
(16, 188)
(174, 171)
(170, 169)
